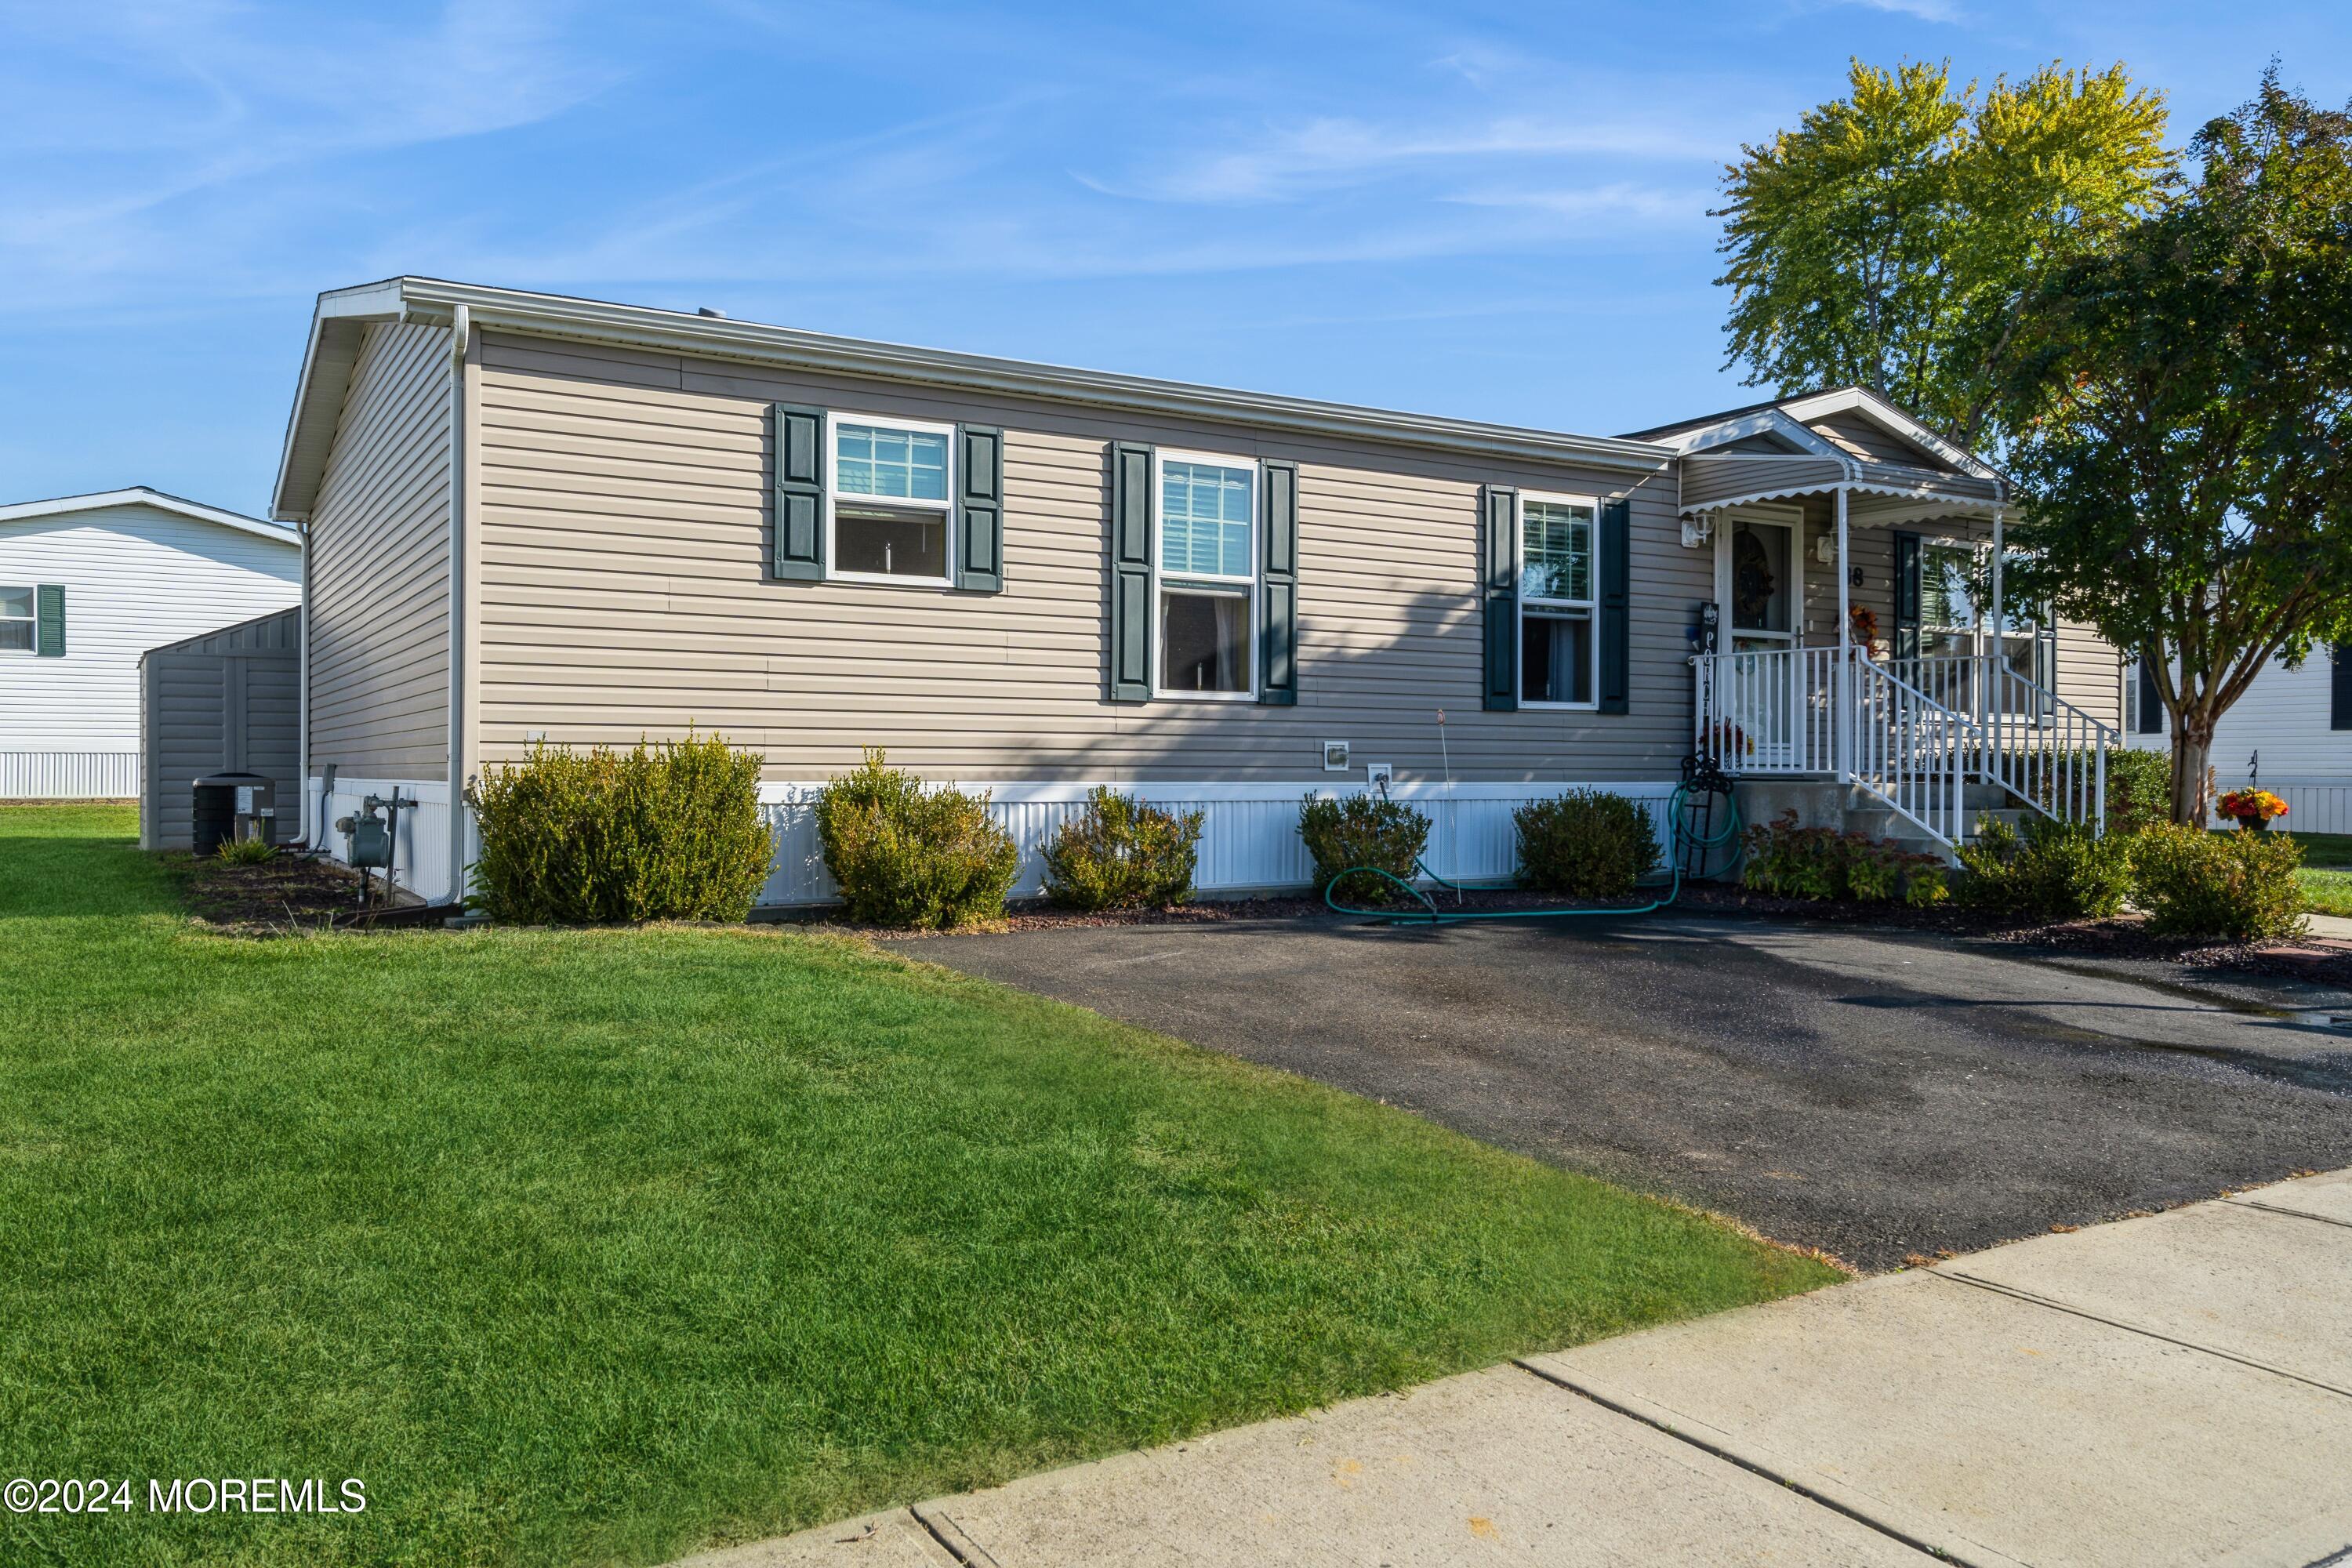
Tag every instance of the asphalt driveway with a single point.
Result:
(1872, 1094)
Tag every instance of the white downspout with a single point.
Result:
(461, 328)
(310, 821)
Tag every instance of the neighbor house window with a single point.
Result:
(891, 512)
(15, 618)
(1557, 622)
(1207, 505)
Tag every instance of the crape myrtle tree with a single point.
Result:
(1891, 240)
(2180, 405)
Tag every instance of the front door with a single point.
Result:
(1759, 582)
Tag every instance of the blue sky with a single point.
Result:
(1492, 211)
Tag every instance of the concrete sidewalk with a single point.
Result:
(2170, 1390)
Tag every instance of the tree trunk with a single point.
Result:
(2192, 772)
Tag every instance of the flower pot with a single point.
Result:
(2253, 824)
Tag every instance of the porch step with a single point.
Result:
(1883, 822)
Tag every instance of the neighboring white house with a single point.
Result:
(87, 584)
(2291, 734)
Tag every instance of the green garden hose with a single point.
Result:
(1679, 838)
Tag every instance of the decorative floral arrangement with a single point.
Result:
(1725, 739)
(2251, 806)
(1862, 621)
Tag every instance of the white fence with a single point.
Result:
(69, 775)
(1249, 839)
(2311, 807)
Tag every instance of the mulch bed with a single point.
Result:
(296, 893)
(2126, 937)
(281, 897)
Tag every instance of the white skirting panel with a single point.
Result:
(1249, 839)
(69, 775)
(421, 851)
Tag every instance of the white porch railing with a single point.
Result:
(1915, 732)
(1910, 751)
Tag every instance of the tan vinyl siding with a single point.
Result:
(624, 516)
(2090, 673)
(379, 540)
(1866, 440)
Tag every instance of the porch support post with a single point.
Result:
(1998, 662)
(1845, 714)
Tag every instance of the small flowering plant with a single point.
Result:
(2248, 806)
(1728, 742)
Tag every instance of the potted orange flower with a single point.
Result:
(2253, 809)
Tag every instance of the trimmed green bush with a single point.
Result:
(669, 830)
(1789, 861)
(1361, 830)
(1120, 853)
(2233, 884)
(907, 855)
(2052, 871)
(1586, 844)
(2139, 790)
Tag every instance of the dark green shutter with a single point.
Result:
(2151, 700)
(1907, 595)
(2339, 688)
(1498, 513)
(49, 620)
(2045, 658)
(797, 438)
(1278, 676)
(1129, 587)
(1616, 569)
(979, 509)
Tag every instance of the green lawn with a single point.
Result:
(600, 1245)
(2327, 875)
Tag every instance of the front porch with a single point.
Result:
(1897, 673)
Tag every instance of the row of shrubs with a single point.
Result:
(2189, 882)
(673, 830)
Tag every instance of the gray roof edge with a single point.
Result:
(563, 316)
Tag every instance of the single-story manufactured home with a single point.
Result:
(87, 584)
(533, 517)
(2291, 734)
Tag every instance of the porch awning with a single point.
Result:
(1711, 480)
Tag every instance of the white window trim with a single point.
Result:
(835, 418)
(1591, 607)
(33, 591)
(1247, 584)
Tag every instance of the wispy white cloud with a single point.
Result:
(1328, 153)
(169, 127)
(1942, 11)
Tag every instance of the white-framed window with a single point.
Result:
(16, 618)
(1559, 620)
(890, 500)
(1204, 576)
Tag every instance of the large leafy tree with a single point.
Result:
(2182, 408)
(1891, 238)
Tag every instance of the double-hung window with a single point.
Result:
(891, 491)
(16, 618)
(1206, 570)
(1559, 619)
